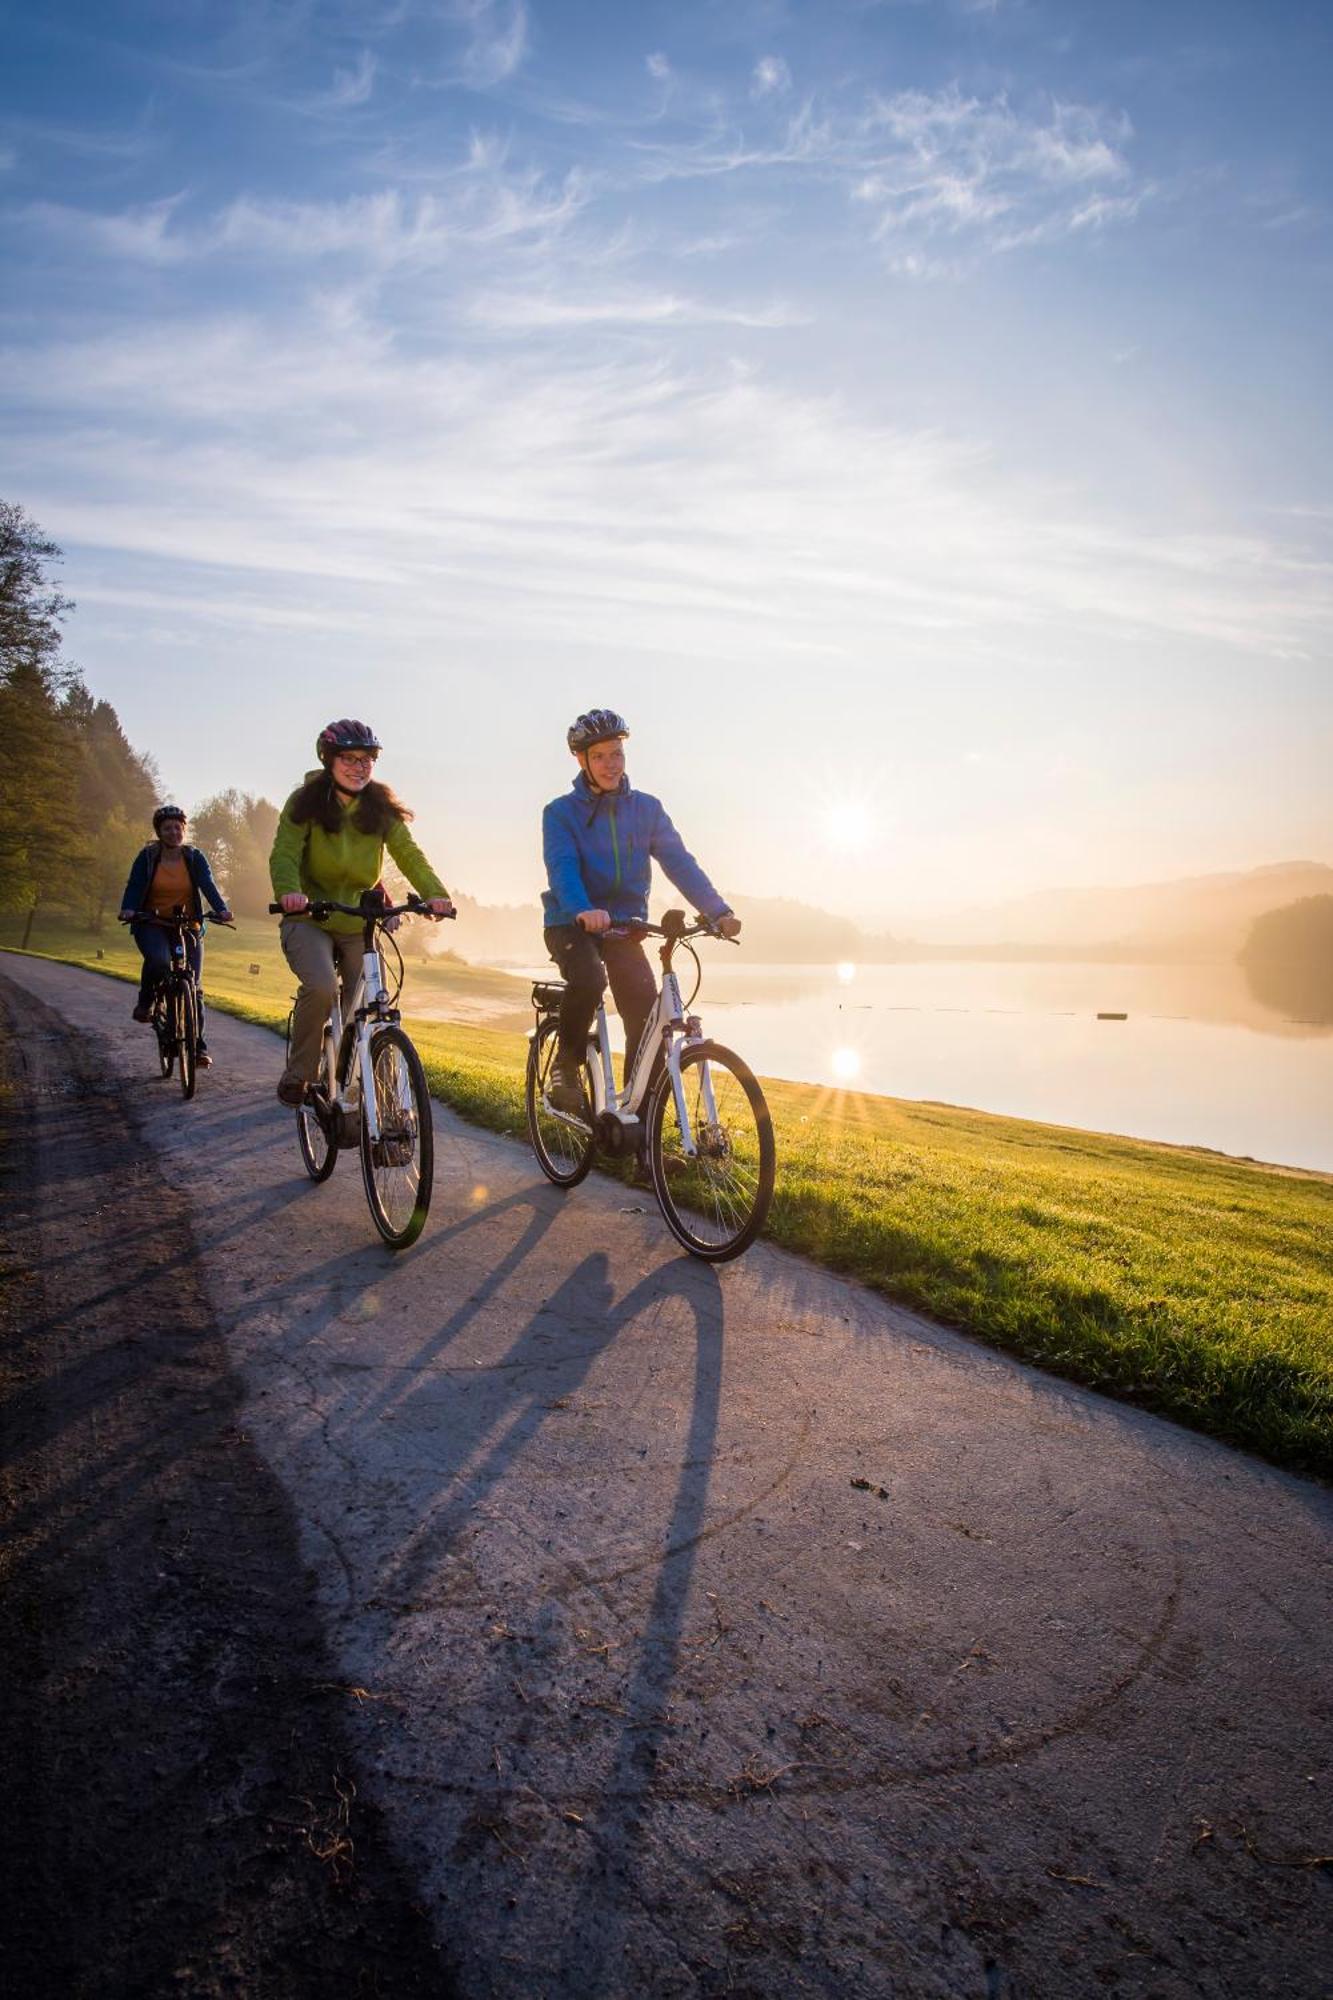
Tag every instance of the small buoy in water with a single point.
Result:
(1113, 1017)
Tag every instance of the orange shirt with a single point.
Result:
(170, 885)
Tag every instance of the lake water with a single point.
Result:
(1201, 1060)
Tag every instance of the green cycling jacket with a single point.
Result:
(308, 861)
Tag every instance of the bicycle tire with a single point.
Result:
(399, 1167)
(564, 1151)
(318, 1141)
(166, 1055)
(715, 1203)
(187, 1038)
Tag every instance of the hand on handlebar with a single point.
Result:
(438, 906)
(594, 921)
(294, 903)
(729, 926)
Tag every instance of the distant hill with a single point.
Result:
(1201, 916)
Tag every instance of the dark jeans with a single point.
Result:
(586, 963)
(155, 944)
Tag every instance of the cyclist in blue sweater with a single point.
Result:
(600, 840)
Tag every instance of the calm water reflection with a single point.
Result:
(1204, 1058)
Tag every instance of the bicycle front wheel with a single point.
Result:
(162, 1028)
(318, 1136)
(715, 1198)
(562, 1142)
(399, 1166)
(187, 1037)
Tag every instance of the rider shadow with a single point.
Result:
(618, 1822)
(487, 1433)
(487, 1437)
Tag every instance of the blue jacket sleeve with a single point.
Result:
(564, 872)
(202, 876)
(679, 866)
(137, 886)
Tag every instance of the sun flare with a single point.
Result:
(848, 825)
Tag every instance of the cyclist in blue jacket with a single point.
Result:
(600, 840)
(167, 875)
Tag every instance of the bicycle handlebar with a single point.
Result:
(701, 927)
(320, 908)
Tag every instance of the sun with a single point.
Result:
(848, 824)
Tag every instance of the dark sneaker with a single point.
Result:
(291, 1090)
(564, 1090)
(203, 1060)
(142, 1013)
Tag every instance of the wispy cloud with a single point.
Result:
(482, 204)
(924, 164)
(770, 75)
(494, 42)
(350, 87)
(546, 312)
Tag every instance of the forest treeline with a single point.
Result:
(78, 798)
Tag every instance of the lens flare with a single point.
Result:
(845, 1064)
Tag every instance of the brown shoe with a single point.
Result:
(291, 1090)
(203, 1060)
(142, 1014)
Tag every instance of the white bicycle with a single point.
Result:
(371, 1090)
(710, 1136)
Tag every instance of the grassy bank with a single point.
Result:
(1192, 1284)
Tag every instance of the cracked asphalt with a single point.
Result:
(651, 1696)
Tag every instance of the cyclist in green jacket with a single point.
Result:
(330, 844)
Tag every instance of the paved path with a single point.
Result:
(657, 1699)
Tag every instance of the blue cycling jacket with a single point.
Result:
(600, 847)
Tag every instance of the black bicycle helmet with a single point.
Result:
(168, 812)
(345, 735)
(599, 725)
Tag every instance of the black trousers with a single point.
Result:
(586, 963)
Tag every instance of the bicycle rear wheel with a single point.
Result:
(714, 1200)
(187, 1036)
(399, 1167)
(563, 1143)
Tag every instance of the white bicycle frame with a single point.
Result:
(667, 1028)
(360, 1081)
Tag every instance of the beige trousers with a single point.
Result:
(316, 957)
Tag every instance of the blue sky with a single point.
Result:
(913, 415)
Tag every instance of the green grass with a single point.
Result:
(1189, 1283)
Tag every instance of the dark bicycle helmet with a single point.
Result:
(345, 735)
(168, 812)
(599, 725)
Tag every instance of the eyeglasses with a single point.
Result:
(364, 757)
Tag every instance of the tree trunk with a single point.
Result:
(27, 928)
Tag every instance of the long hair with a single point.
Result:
(375, 810)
